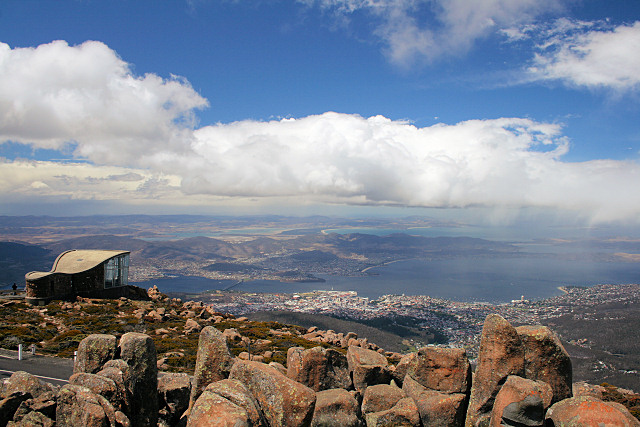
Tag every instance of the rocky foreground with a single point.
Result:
(523, 378)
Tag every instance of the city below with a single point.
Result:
(461, 322)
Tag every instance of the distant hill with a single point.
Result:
(17, 259)
(308, 255)
(301, 249)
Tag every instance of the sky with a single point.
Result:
(500, 109)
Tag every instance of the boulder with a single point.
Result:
(436, 408)
(235, 392)
(139, 352)
(501, 354)
(191, 326)
(442, 369)
(10, 404)
(174, 390)
(155, 294)
(589, 411)
(79, 406)
(93, 352)
(213, 410)
(213, 361)
(582, 388)
(44, 404)
(438, 380)
(367, 367)
(26, 383)
(155, 316)
(381, 397)
(117, 371)
(33, 419)
(98, 384)
(336, 408)
(318, 368)
(401, 368)
(521, 401)
(284, 402)
(122, 420)
(361, 356)
(545, 359)
(403, 413)
(279, 366)
(232, 334)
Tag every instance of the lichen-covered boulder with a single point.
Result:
(10, 404)
(45, 404)
(441, 369)
(318, 368)
(279, 366)
(93, 352)
(191, 326)
(362, 356)
(367, 367)
(79, 406)
(235, 392)
(501, 354)
(582, 388)
(521, 401)
(122, 420)
(284, 402)
(436, 408)
(118, 371)
(213, 410)
(545, 359)
(139, 352)
(336, 408)
(381, 397)
(26, 383)
(213, 361)
(33, 419)
(174, 390)
(98, 384)
(401, 368)
(404, 413)
(589, 411)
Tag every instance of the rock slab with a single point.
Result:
(284, 402)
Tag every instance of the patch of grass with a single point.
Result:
(116, 317)
(66, 343)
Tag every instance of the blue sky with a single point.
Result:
(321, 105)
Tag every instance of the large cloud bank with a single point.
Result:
(139, 138)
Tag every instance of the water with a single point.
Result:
(498, 279)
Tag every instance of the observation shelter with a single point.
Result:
(85, 273)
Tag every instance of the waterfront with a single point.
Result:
(465, 279)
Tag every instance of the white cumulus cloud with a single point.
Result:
(591, 57)
(54, 94)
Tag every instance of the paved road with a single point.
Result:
(51, 369)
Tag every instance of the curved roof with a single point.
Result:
(76, 261)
